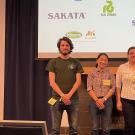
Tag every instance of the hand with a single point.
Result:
(66, 100)
(100, 104)
(68, 96)
(119, 106)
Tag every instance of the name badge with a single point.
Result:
(133, 79)
(52, 101)
(106, 82)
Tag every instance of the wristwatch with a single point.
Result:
(105, 99)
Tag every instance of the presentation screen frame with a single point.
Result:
(93, 29)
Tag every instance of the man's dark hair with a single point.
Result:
(130, 48)
(67, 40)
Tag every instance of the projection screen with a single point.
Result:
(93, 25)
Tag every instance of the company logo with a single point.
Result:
(74, 34)
(90, 35)
(62, 16)
(71, 66)
(108, 9)
(78, 0)
(133, 22)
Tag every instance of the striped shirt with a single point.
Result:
(125, 80)
(101, 82)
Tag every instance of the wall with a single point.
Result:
(2, 48)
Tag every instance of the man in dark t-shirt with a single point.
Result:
(65, 79)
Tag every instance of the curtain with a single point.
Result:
(26, 82)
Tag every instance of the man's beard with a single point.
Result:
(65, 53)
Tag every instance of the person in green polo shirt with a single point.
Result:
(65, 80)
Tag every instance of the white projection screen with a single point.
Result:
(94, 26)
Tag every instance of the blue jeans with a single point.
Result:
(72, 113)
(101, 119)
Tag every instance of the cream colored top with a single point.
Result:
(125, 80)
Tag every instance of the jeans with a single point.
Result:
(101, 119)
(128, 108)
(72, 113)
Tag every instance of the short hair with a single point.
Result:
(130, 48)
(67, 40)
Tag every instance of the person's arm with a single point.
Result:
(90, 87)
(107, 96)
(98, 101)
(56, 88)
(118, 99)
(93, 95)
(75, 86)
(91, 92)
(53, 84)
(118, 89)
(112, 89)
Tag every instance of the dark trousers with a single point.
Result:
(128, 107)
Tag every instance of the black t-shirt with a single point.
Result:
(65, 73)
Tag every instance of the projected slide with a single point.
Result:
(93, 25)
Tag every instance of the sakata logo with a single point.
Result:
(108, 9)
